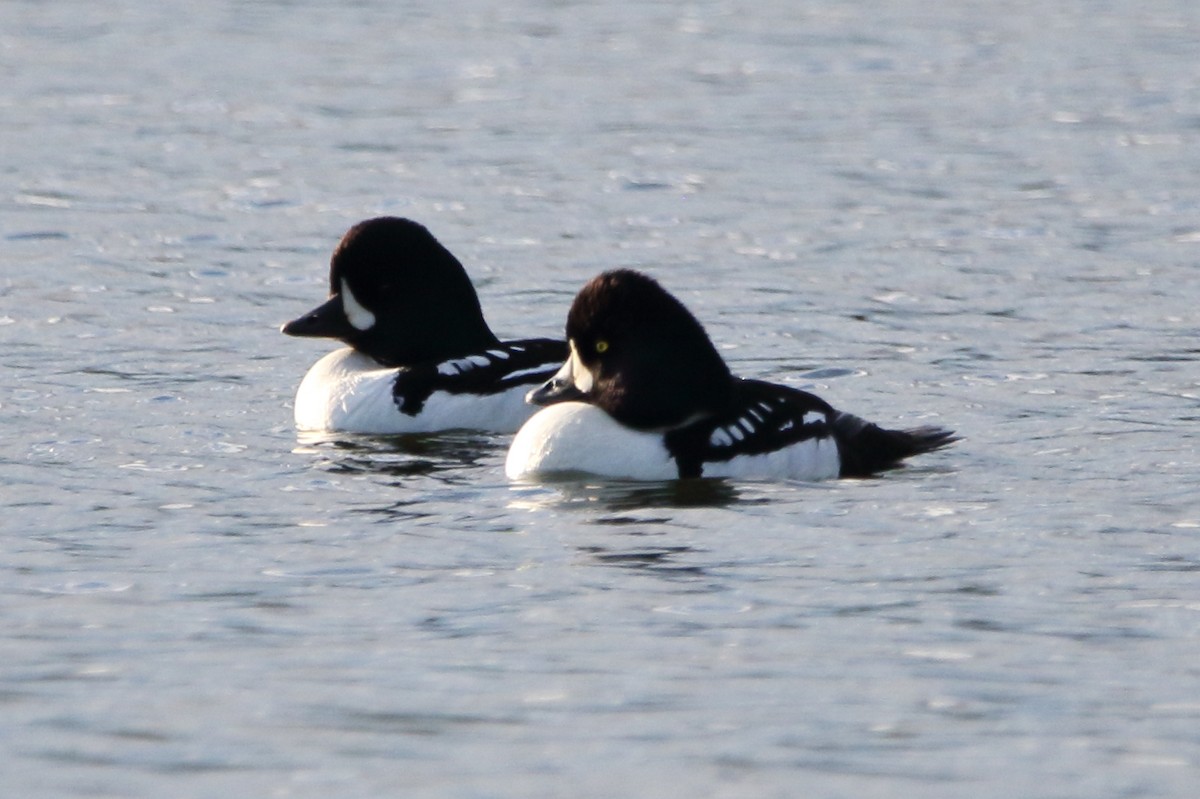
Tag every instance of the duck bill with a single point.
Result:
(564, 386)
(325, 321)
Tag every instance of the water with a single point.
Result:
(981, 216)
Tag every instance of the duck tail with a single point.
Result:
(867, 448)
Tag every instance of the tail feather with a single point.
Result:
(867, 448)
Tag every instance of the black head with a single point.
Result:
(639, 354)
(398, 295)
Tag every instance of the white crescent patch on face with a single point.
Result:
(356, 314)
(580, 375)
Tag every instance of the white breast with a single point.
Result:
(575, 437)
(349, 392)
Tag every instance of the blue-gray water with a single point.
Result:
(980, 215)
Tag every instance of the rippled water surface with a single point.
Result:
(983, 216)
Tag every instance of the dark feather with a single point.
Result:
(525, 362)
(867, 448)
(761, 417)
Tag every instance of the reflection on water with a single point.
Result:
(411, 455)
(584, 492)
(663, 561)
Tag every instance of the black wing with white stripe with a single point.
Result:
(763, 417)
(491, 371)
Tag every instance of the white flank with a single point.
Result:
(814, 459)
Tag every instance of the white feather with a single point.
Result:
(814, 459)
(580, 375)
(356, 314)
(531, 370)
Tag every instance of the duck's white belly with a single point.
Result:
(347, 391)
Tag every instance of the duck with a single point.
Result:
(419, 356)
(644, 395)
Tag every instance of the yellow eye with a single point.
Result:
(601, 346)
